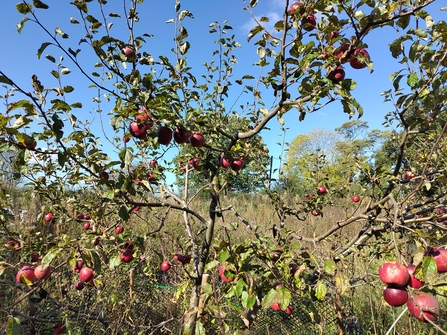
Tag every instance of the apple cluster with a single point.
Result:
(28, 275)
(84, 218)
(398, 277)
(183, 259)
(126, 255)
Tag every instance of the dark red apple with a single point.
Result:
(127, 256)
(334, 34)
(96, 241)
(59, 328)
(86, 274)
(34, 257)
(289, 310)
(224, 162)
(104, 175)
(165, 266)
(392, 272)
(309, 23)
(152, 179)
(164, 135)
(119, 229)
(196, 140)
(138, 130)
(423, 304)
(87, 216)
(223, 276)
(78, 266)
(356, 62)
(337, 75)
(321, 190)
(48, 217)
(440, 256)
(79, 285)
(195, 162)
(153, 163)
(181, 135)
(25, 275)
(237, 164)
(340, 53)
(80, 216)
(126, 139)
(296, 9)
(395, 295)
(356, 198)
(42, 273)
(413, 282)
(409, 175)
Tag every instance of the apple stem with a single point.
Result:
(396, 321)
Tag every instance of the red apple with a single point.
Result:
(355, 60)
(237, 164)
(356, 198)
(224, 162)
(42, 273)
(315, 212)
(126, 139)
(104, 175)
(96, 240)
(138, 130)
(78, 266)
(164, 135)
(395, 295)
(26, 275)
(181, 135)
(30, 144)
(86, 274)
(87, 226)
(296, 9)
(309, 23)
(413, 281)
(409, 175)
(340, 52)
(165, 266)
(127, 256)
(392, 272)
(87, 216)
(334, 34)
(128, 51)
(223, 276)
(79, 285)
(10, 243)
(153, 163)
(289, 310)
(337, 75)
(137, 208)
(321, 190)
(275, 306)
(196, 140)
(80, 216)
(152, 179)
(34, 257)
(440, 256)
(17, 246)
(423, 304)
(119, 229)
(195, 162)
(48, 217)
(59, 328)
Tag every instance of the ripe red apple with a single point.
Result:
(34, 257)
(128, 51)
(355, 60)
(196, 140)
(395, 295)
(440, 210)
(195, 162)
(289, 310)
(275, 254)
(42, 273)
(138, 130)
(78, 266)
(86, 274)
(79, 285)
(334, 34)
(126, 139)
(127, 256)
(165, 266)
(237, 164)
(80, 216)
(87, 226)
(10, 243)
(153, 163)
(48, 217)
(87, 216)
(223, 276)
(413, 281)
(181, 135)
(309, 23)
(315, 212)
(224, 162)
(356, 198)
(119, 229)
(440, 256)
(152, 179)
(340, 53)
(423, 304)
(321, 190)
(59, 328)
(104, 175)
(275, 306)
(164, 135)
(392, 272)
(25, 275)
(296, 9)
(137, 208)
(409, 175)
(337, 75)
(96, 241)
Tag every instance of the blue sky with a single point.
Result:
(18, 56)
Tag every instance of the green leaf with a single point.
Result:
(21, 24)
(429, 269)
(256, 30)
(320, 291)
(52, 254)
(42, 48)
(23, 8)
(5, 80)
(13, 326)
(329, 266)
(123, 213)
(40, 4)
(223, 256)
(412, 80)
(114, 262)
(61, 33)
(253, 3)
(184, 47)
(342, 283)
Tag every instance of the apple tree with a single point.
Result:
(162, 117)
